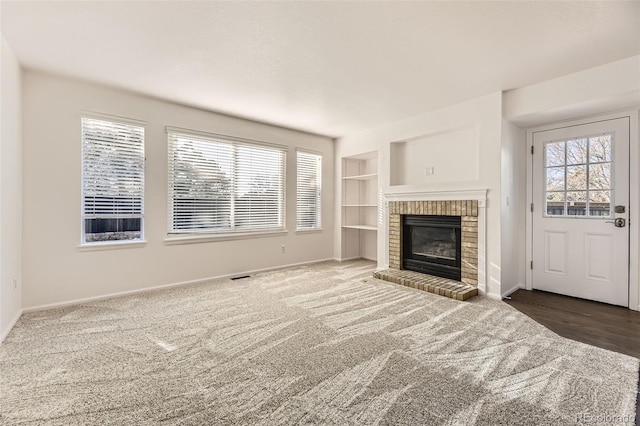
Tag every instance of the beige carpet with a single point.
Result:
(321, 344)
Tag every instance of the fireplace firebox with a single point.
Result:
(432, 245)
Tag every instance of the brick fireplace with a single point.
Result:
(468, 212)
(471, 214)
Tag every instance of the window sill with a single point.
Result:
(206, 238)
(309, 231)
(116, 245)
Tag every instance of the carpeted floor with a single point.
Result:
(320, 344)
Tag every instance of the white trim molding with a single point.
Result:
(449, 195)
(634, 210)
(13, 322)
(512, 290)
(110, 117)
(112, 245)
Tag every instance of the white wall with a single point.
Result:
(435, 150)
(57, 271)
(610, 87)
(483, 115)
(513, 207)
(10, 190)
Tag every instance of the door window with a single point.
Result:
(578, 177)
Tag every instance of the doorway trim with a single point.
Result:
(634, 196)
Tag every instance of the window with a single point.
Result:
(309, 185)
(223, 184)
(112, 181)
(578, 176)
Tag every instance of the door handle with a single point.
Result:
(619, 222)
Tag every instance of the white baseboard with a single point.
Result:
(13, 322)
(482, 289)
(384, 268)
(163, 287)
(494, 296)
(511, 290)
(346, 259)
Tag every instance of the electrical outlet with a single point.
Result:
(15, 284)
(282, 249)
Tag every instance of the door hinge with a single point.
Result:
(531, 266)
(531, 149)
(531, 207)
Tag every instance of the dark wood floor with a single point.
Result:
(607, 326)
(598, 324)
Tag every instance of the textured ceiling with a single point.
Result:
(331, 68)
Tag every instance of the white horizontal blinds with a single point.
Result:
(259, 188)
(112, 180)
(220, 185)
(309, 185)
(200, 184)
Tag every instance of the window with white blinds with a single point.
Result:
(222, 184)
(112, 181)
(309, 186)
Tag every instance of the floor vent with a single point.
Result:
(240, 277)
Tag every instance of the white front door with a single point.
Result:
(580, 190)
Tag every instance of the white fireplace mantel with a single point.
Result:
(448, 195)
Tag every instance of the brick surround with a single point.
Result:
(466, 209)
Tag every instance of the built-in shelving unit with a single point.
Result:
(360, 206)
(368, 176)
(364, 227)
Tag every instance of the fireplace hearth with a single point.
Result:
(432, 245)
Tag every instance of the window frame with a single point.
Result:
(178, 236)
(112, 244)
(318, 224)
(587, 189)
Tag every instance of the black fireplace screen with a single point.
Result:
(432, 245)
(433, 242)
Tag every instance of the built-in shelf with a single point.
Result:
(362, 227)
(360, 201)
(361, 177)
